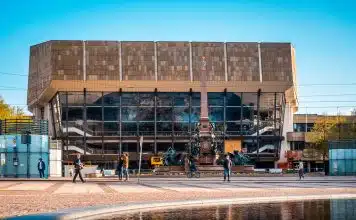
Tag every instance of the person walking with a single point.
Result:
(120, 166)
(301, 169)
(41, 167)
(227, 168)
(78, 165)
(125, 165)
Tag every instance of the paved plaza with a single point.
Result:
(20, 197)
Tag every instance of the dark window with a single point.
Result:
(164, 126)
(181, 127)
(94, 113)
(111, 114)
(146, 128)
(233, 99)
(75, 113)
(111, 128)
(233, 113)
(129, 128)
(164, 113)
(216, 99)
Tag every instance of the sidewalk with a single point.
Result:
(21, 197)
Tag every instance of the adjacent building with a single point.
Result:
(302, 148)
(100, 96)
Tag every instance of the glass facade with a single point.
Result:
(342, 158)
(164, 118)
(20, 160)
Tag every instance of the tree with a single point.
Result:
(325, 129)
(353, 112)
(8, 112)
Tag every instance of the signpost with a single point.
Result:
(139, 164)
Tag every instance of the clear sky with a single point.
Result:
(323, 33)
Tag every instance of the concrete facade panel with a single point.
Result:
(242, 62)
(138, 60)
(173, 60)
(214, 55)
(276, 62)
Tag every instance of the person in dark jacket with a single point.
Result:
(41, 167)
(78, 165)
(120, 166)
(227, 168)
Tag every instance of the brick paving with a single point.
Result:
(29, 197)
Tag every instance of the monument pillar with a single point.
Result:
(206, 156)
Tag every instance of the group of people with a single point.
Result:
(122, 168)
(123, 165)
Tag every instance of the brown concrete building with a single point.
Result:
(100, 95)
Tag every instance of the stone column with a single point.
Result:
(206, 156)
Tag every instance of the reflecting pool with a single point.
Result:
(310, 209)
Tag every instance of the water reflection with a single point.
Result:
(315, 209)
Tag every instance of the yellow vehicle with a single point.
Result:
(156, 161)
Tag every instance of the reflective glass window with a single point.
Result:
(75, 99)
(111, 99)
(146, 114)
(147, 99)
(130, 99)
(195, 117)
(196, 99)
(93, 98)
(181, 99)
(181, 114)
(216, 113)
(129, 113)
(164, 99)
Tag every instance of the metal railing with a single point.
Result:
(21, 126)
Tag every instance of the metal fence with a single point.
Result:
(20, 126)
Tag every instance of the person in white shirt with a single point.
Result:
(301, 169)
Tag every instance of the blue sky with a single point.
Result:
(323, 33)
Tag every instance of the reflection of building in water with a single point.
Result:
(343, 209)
